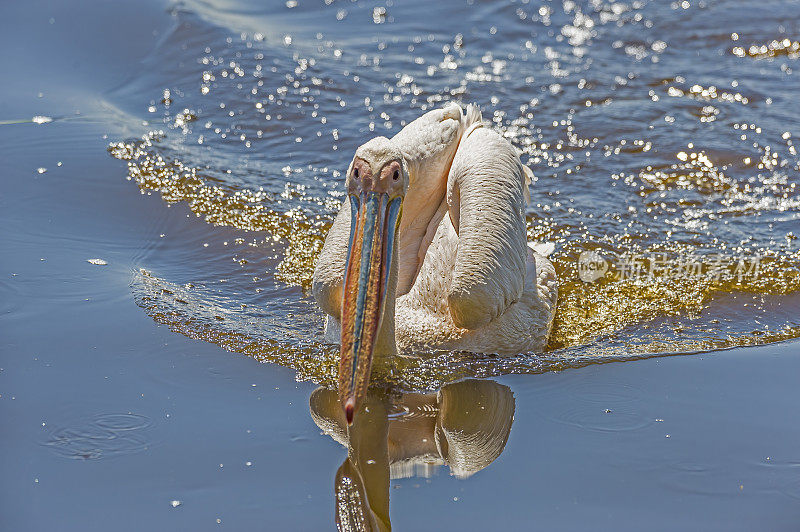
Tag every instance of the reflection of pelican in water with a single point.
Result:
(429, 251)
(464, 425)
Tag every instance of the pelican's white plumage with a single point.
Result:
(467, 279)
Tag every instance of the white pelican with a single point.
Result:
(429, 251)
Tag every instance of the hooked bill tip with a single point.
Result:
(349, 410)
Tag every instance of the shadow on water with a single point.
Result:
(464, 426)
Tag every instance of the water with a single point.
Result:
(662, 136)
(672, 158)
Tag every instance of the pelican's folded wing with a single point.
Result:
(486, 197)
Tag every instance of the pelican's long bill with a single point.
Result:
(373, 227)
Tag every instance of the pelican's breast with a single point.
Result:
(422, 318)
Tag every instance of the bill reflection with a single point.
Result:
(464, 426)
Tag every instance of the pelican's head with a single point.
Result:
(377, 181)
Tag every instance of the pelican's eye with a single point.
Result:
(396, 175)
(355, 173)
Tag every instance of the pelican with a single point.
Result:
(429, 250)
